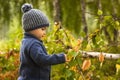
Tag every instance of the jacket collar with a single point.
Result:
(29, 35)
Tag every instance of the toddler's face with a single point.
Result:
(40, 33)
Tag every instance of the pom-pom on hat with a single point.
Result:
(33, 18)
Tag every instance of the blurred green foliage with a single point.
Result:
(103, 36)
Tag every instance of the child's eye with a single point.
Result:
(43, 28)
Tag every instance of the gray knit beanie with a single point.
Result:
(33, 18)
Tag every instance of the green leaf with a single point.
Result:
(72, 54)
(99, 12)
(84, 44)
(118, 61)
(68, 73)
(117, 23)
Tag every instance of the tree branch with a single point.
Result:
(96, 54)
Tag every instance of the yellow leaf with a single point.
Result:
(117, 66)
(74, 68)
(101, 57)
(79, 41)
(86, 64)
(76, 48)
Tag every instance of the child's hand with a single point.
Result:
(66, 59)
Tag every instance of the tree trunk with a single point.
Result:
(104, 28)
(83, 9)
(107, 34)
(57, 11)
(100, 8)
(115, 18)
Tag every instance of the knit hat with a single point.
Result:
(33, 18)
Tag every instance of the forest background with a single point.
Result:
(76, 26)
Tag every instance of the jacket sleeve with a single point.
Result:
(41, 57)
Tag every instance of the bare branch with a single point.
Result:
(96, 54)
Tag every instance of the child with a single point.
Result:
(35, 63)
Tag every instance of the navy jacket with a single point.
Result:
(35, 63)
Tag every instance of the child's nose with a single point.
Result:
(44, 33)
